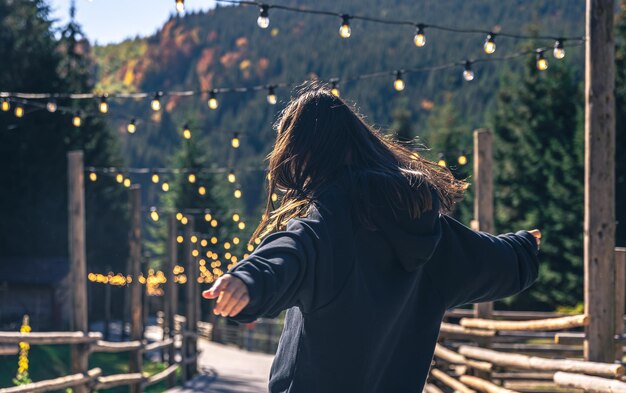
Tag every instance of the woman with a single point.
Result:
(362, 255)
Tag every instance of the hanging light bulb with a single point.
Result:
(274, 197)
(51, 106)
(186, 132)
(344, 29)
(442, 161)
(207, 216)
(462, 160)
(131, 127)
(154, 215)
(334, 90)
(231, 176)
(241, 225)
(165, 186)
(559, 50)
(127, 182)
(213, 104)
(542, 62)
(179, 216)
(155, 177)
(236, 217)
(5, 105)
(237, 193)
(264, 18)
(420, 38)
(468, 74)
(490, 43)
(76, 120)
(180, 6)
(156, 101)
(398, 84)
(202, 190)
(184, 220)
(191, 177)
(103, 107)
(235, 141)
(119, 178)
(93, 176)
(271, 95)
(19, 111)
(214, 224)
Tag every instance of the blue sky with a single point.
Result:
(106, 21)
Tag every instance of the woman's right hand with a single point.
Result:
(537, 234)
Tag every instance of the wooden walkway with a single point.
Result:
(227, 369)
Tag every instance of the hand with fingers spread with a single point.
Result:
(231, 293)
(537, 234)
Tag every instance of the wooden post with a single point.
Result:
(78, 261)
(599, 224)
(136, 315)
(171, 292)
(620, 298)
(192, 297)
(483, 197)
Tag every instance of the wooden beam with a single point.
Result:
(78, 262)
(452, 357)
(136, 315)
(454, 329)
(449, 381)
(39, 338)
(483, 385)
(483, 197)
(171, 292)
(69, 381)
(620, 298)
(599, 222)
(589, 383)
(539, 324)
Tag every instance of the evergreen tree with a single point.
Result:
(539, 175)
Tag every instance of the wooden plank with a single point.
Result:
(463, 331)
(505, 314)
(483, 385)
(449, 381)
(430, 388)
(78, 262)
(450, 356)
(113, 346)
(483, 197)
(171, 292)
(539, 324)
(171, 370)
(599, 222)
(69, 381)
(39, 338)
(620, 298)
(541, 364)
(136, 315)
(192, 299)
(111, 381)
(159, 344)
(589, 383)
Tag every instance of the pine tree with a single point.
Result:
(538, 175)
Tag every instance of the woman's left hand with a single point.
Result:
(232, 295)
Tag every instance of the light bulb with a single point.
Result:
(156, 101)
(202, 190)
(207, 217)
(542, 63)
(334, 90)
(231, 177)
(19, 111)
(236, 217)
(271, 95)
(154, 214)
(559, 50)
(186, 132)
(468, 74)
(420, 38)
(204, 243)
(398, 84)
(274, 197)
(131, 127)
(191, 178)
(235, 141)
(5, 105)
(264, 19)
(214, 240)
(104, 105)
(344, 29)
(127, 182)
(214, 223)
(51, 106)
(442, 161)
(93, 176)
(462, 159)
(213, 104)
(184, 220)
(165, 186)
(490, 44)
(76, 120)
(119, 178)
(155, 177)
(241, 225)
(180, 6)
(237, 193)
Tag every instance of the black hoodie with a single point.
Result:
(365, 306)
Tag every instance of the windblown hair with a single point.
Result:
(318, 136)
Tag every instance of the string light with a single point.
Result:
(155, 177)
(127, 182)
(104, 105)
(420, 38)
(191, 177)
(5, 105)
(398, 84)
(462, 160)
(186, 132)
(237, 193)
(264, 18)
(165, 186)
(490, 43)
(204, 243)
(214, 240)
(231, 176)
(19, 111)
(274, 197)
(344, 29)
(271, 95)
(235, 141)
(468, 74)
(93, 176)
(76, 120)
(194, 239)
(131, 127)
(241, 225)
(214, 223)
(180, 6)
(207, 217)
(184, 220)
(212, 103)
(154, 215)
(334, 89)
(559, 50)
(156, 101)
(51, 106)
(119, 178)
(442, 161)
(542, 62)
(179, 216)
(202, 190)
(236, 217)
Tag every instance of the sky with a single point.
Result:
(109, 21)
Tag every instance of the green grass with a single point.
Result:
(51, 361)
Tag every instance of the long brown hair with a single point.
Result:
(319, 135)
